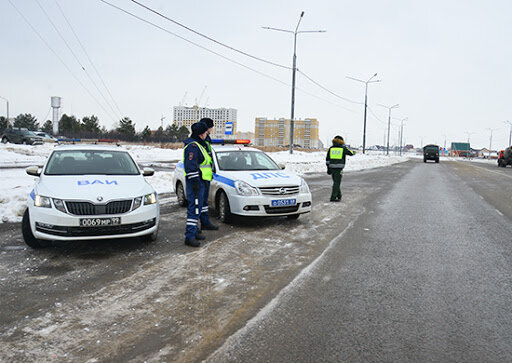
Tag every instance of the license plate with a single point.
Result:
(283, 202)
(99, 222)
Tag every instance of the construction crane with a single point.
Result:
(183, 99)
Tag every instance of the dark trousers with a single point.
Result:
(195, 203)
(205, 218)
(336, 183)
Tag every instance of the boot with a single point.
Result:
(200, 237)
(192, 242)
(210, 227)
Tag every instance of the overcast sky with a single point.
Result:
(447, 63)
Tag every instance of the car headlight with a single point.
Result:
(303, 186)
(245, 189)
(137, 202)
(150, 199)
(40, 201)
(59, 204)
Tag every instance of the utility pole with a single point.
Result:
(510, 134)
(6, 100)
(389, 122)
(294, 68)
(490, 142)
(402, 133)
(365, 103)
(469, 134)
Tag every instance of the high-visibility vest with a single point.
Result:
(205, 166)
(336, 153)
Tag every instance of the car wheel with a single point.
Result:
(24, 142)
(293, 216)
(180, 193)
(28, 236)
(223, 208)
(4, 140)
(437, 160)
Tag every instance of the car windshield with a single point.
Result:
(245, 160)
(28, 133)
(91, 162)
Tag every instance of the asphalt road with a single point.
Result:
(412, 264)
(424, 274)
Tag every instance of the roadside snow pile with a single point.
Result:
(303, 162)
(16, 184)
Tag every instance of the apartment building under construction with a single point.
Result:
(277, 132)
(223, 118)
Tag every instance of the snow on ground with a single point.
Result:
(16, 184)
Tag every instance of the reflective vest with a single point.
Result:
(205, 166)
(336, 153)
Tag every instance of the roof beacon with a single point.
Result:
(231, 141)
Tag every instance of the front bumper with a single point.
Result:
(261, 206)
(51, 224)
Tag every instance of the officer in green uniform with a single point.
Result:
(335, 162)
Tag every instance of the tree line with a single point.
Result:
(89, 127)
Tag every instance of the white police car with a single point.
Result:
(90, 192)
(247, 182)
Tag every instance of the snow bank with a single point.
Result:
(16, 184)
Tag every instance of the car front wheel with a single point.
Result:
(223, 208)
(4, 140)
(28, 236)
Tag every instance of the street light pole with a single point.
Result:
(6, 100)
(294, 69)
(365, 103)
(490, 142)
(510, 134)
(389, 122)
(401, 133)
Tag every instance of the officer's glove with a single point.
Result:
(329, 171)
(195, 187)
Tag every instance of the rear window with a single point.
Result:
(91, 162)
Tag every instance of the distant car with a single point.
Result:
(46, 137)
(431, 152)
(247, 182)
(505, 157)
(90, 192)
(21, 136)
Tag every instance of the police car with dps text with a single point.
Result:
(90, 192)
(247, 182)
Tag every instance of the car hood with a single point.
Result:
(260, 178)
(90, 187)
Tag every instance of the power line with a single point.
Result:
(325, 89)
(57, 55)
(216, 53)
(89, 58)
(77, 60)
(210, 38)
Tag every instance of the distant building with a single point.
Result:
(246, 135)
(277, 132)
(186, 116)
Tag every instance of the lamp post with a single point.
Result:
(510, 133)
(490, 142)
(294, 68)
(6, 100)
(402, 133)
(365, 102)
(389, 122)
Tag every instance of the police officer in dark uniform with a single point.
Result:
(335, 161)
(205, 218)
(198, 169)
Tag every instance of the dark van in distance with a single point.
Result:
(431, 152)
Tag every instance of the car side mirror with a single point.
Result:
(282, 166)
(148, 172)
(33, 170)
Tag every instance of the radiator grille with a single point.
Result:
(90, 209)
(289, 190)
